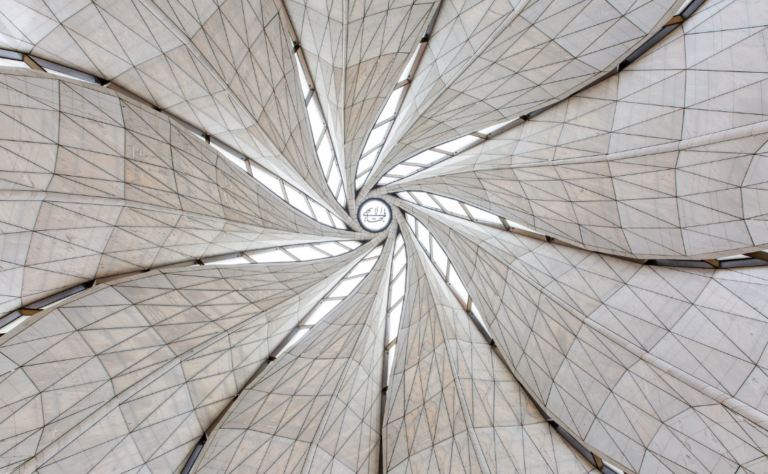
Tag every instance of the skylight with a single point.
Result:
(329, 163)
(436, 154)
(386, 119)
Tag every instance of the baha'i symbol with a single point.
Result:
(374, 215)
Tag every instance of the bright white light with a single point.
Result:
(391, 107)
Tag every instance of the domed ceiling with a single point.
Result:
(482, 236)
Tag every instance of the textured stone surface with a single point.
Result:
(94, 185)
(370, 357)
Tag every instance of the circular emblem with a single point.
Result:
(374, 215)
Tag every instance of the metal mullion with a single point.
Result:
(390, 344)
(399, 300)
(282, 188)
(289, 254)
(322, 134)
(417, 202)
(398, 252)
(339, 243)
(311, 211)
(364, 171)
(390, 119)
(327, 174)
(469, 214)
(320, 250)
(439, 205)
(395, 277)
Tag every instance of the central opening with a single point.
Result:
(374, 215)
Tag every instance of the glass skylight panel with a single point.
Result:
(306, 252)
(387, 180)
(61, 74)
(9, 327)
(361, 180)
(458, 286)
(521, 227)
(332, 248)
(234, 159)
(483, 216)
(423, 235)
(334, 180)
(398, 288)
(411, 221)
(367, 161)
(377, 136)
(338, 223)
(398, 263)
(455, 145)
(407, 197)
(345, 287)
(390, 108)
(391, 360)
(493, 128)
(321, 213)
(440, 259)
(13, 63)
(450, 205)
(409, 66)
(426, 158)
(272, 256)
(296, 338)
(297, 200)
(425, 199)
(268, 180)
(395, 314)
(353, 244)
(302, 76)
(375, 252)
(479, 317)
(321, 311)
(231, 261)
(315, 118)
(403, 170)
(362, 268)
(325, 153)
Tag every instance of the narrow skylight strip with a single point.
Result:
(442, 152)
(287, 253)
(440, 260)
(277, 185)
(329, 163)
(334, 296)
(395, 302)
(294, 197)
(386, 119)
(465, 211)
